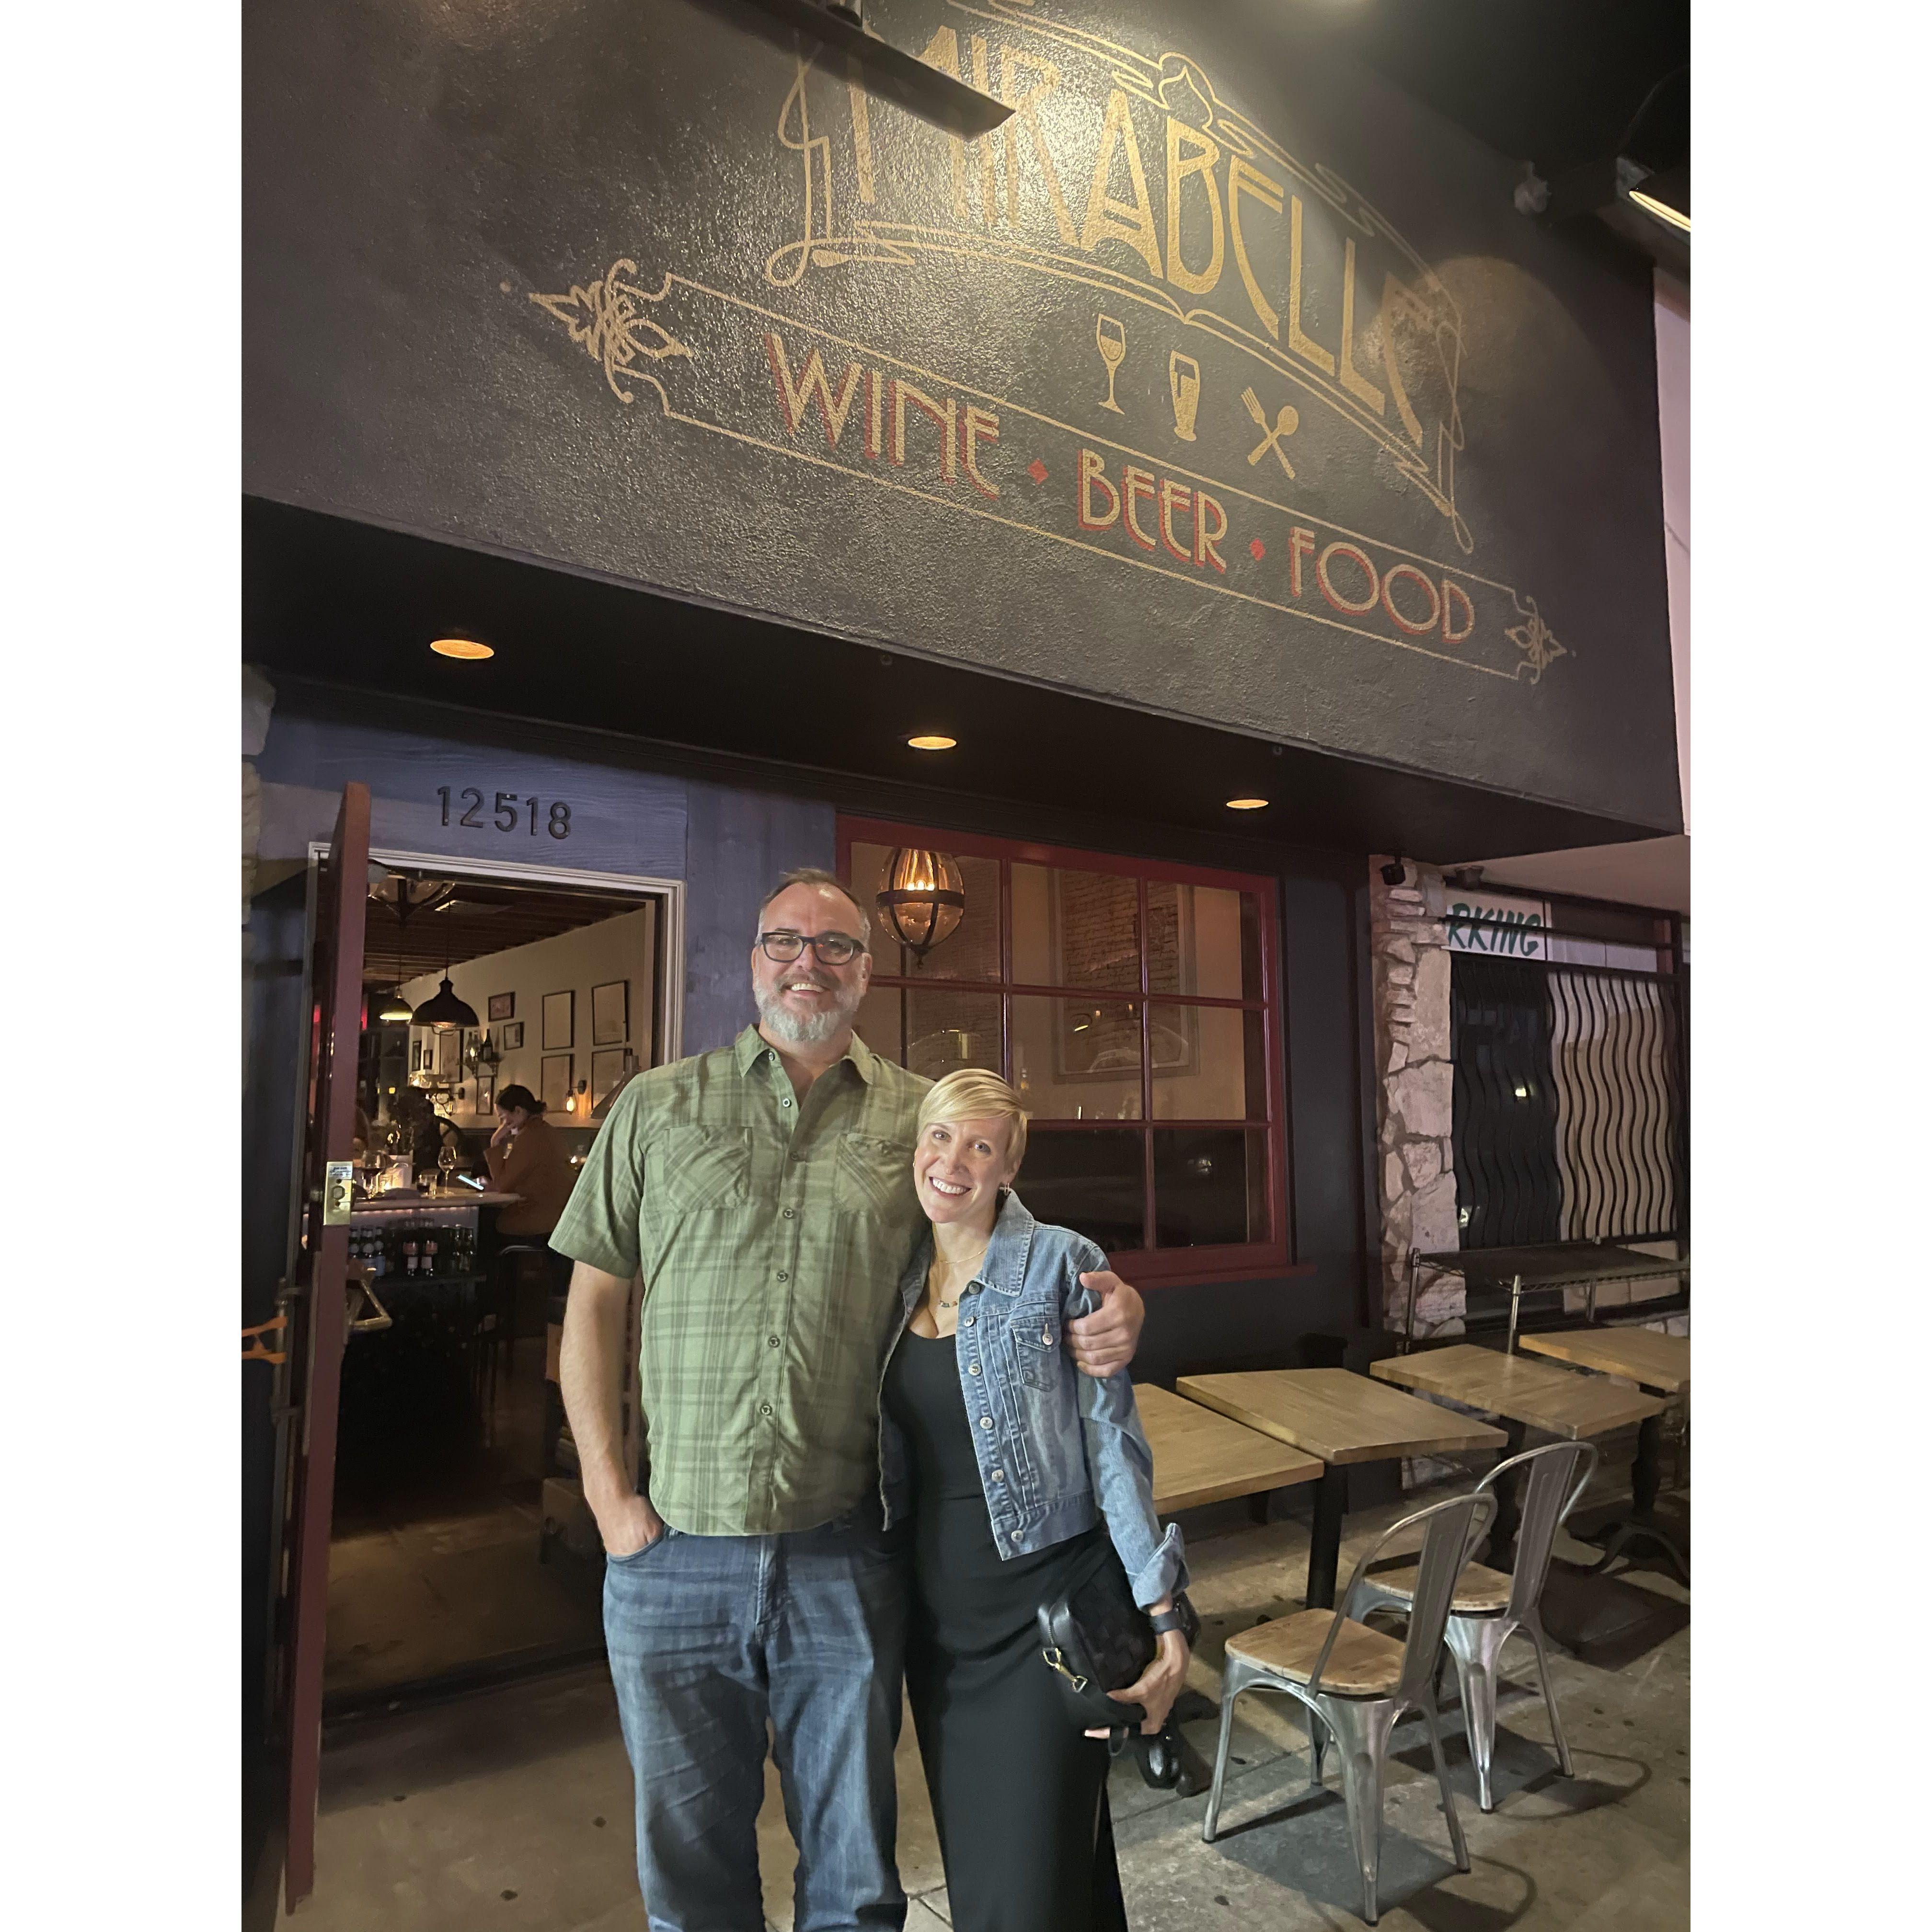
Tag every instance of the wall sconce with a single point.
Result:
(921, 899)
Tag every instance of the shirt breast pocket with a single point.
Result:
(873, 1174)
(1035, 1339)
(699, 1170)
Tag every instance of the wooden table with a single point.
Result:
(1526, 1395)
(1341, 1418)
(1655, 1361)
(1640, 1355)
(1201, 1457)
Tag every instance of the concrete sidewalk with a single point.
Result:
(513, 1809)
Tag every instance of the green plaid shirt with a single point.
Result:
(771, 1233)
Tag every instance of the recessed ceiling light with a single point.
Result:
(1246, 804)
(461, 647)
(932, 741)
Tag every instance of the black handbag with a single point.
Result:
(1098, 1638)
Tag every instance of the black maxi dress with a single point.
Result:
(1018, 1795)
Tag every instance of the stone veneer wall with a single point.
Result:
(1416, 1162)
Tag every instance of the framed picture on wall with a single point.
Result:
(513, 1037)
(486, 1093)
(416, 1056)
(556, 1085)
(560, 1020)
(448, 1053)
(503, 1006)
(610, 1013)
(608, 1066)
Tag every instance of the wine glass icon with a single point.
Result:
(1111, 339)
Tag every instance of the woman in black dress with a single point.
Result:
(1023, 1477)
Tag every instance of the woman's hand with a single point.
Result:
(503, 1136)
(1104, 1342)
(1157, 1687)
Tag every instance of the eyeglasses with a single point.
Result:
(831, 949)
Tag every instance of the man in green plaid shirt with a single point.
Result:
(764, 1193)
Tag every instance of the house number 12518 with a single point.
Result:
(508, 812)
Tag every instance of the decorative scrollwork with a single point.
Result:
(606, 318)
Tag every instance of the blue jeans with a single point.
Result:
(709, 1637)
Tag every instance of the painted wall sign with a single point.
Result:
(1496, 923)
(1223, 379)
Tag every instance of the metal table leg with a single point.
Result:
(1644, 1525)
(1647, 1472)
(1509, 1514)
(1324, 1549)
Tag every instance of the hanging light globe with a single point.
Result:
(445, 1009)
(921, 899)
(392, 1006)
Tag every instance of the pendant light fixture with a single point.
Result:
(921, 899)
(444, 1009)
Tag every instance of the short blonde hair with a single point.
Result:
(972, 1093)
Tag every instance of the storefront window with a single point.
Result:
(1134, 1008)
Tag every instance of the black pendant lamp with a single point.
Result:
(921, 899)
(445, 1009)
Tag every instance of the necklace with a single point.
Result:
(951, 1268)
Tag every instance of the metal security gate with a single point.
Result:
(1570, 1102)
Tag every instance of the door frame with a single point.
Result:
(669, 1016)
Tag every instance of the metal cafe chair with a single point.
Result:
(1489, 1606)
(1357, 1681)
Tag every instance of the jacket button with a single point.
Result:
(967, 1323)
(985, 1422)
(974, 1369)
(999, 1475)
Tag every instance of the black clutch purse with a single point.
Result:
(1098, 1638)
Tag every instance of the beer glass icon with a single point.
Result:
(1183, 381)
(1111, 339)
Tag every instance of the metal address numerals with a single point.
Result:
(508, 812)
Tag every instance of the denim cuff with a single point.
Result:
(1164, 1572)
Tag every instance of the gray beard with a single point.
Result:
(813, 1030)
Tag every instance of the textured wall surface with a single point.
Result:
(1223, 380)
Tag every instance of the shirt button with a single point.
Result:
(985, 1422)
(771, 1341)
(974, 1369)
(764, 1408)
(788, 1214)
(783, 1276)
(786, 1101)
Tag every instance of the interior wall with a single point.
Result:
(619, 948)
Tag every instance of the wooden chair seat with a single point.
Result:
(1479, 1592)
(1364, 1664)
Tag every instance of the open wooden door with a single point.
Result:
(319, 1315)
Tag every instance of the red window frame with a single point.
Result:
(1232, 1262)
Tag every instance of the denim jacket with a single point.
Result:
(1057, 1448)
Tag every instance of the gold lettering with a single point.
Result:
(1450, 590)
(1358, 385)
(875, 393)
(988, 185)
(978, 424)
(1300, 544)
(1301, 345)
(1242, 179)
(1092, 471)
(1026, 108)
(1174, 496)
(942, 51)
(1136, 484)
(1131, 223)
(904, 393)
(1397, 300)
(811, 386)
(1205, 538)
(1201, 161)
(861, 130)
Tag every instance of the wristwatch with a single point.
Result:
(1182, 1618)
